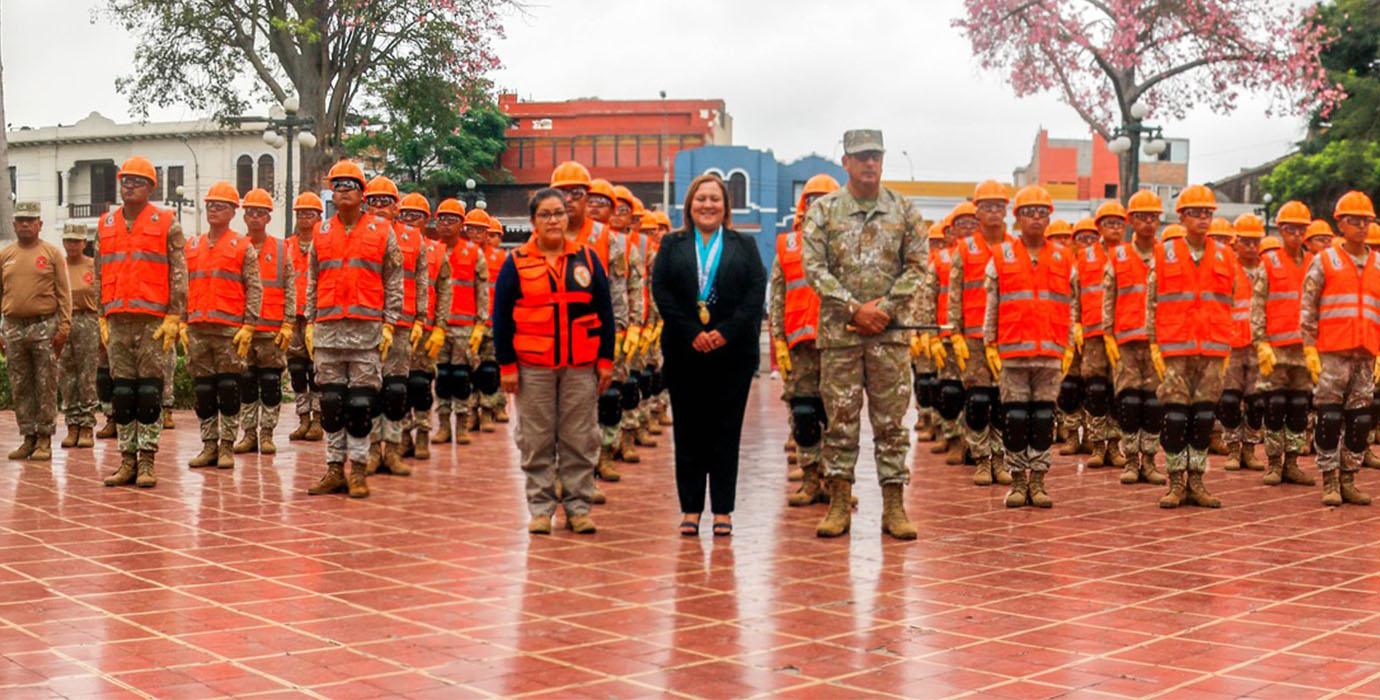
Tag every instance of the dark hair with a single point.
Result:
(687, 222)
(542, 195)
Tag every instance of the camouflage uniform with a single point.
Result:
(1243, 375)
(456, 350)
(803, 379)
(1071, 424)
(856, 251)
(1290, 372)
(1134, 371)
(975, 373)
(210, 352)
(76, 372)
(256, 418)
(927, 302)
(421, 361)
(1347, 378)
(630, 422)
(618, 274)
(399, 359)
(32, 366)
(306, 402)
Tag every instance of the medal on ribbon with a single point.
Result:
(706, 268)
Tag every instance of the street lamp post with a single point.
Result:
(1126, 139)
(910, 163)
(284, 117)
(1269, 201)
(665, 161)
(196, 180)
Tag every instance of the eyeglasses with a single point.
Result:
(345, 185)
(380, 200)
(1033, 212)
(550, 215)
(623, 210)
(307, 213)
(257, 212)
(449, 218)
(1195, 212)
(599, 200)
(992, 206)
(219, 206)
(132, 181)
(575, 194)
(966, 222)
(1086, 238)
(1112, 222)
(1353, 220)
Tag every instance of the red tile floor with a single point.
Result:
(237, 584)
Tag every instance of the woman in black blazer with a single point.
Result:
(709, 286)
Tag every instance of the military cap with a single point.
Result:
(74, 232)
(861, 140)
(27, 210)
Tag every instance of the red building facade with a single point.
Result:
(1085, 169)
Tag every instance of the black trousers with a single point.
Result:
(708, 398)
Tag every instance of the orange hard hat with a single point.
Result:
(1294, 212)
(1221, 227)
(1033, 196)
(638, 209)
(477, 217)
(1144, 201)
(937, 230)
(648, 222)
(223, 191)
(258, 198)
(964, 208)
(602, 187)
(1085, 224)
(346, 169)
(1173, 231)
(1249, 225)
(990, 189)
(1058, 227)
(823, 183)
(1354, 203)
(1112, 208)
(381, 185)
(570, 174)
(1196, 197)
(309, 200)
(662, 218)
(138, 165)
(451, 206)
(1270, 243)
(621, 193)
(415, 201)
(1318, 227)
(1373, 234)
(495, 226)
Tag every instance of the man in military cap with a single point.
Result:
(36, 302)
(865, 252)
(76, 371)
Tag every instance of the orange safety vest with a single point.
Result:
(1349, 305)
(215, 279)
(1284, 282)
(410, 243)
(975, 253)
(300, 261)
(349, 264)
(1132, 275)
(464, 299)
(1092, 262)
(597, 236)
(801, 313)
(1034, 305)
(494, 257)
(1193, 302)
(942, 260)
(273, 275)
(134, 263)
(554, 319)
(1241, 309)
(435, 255)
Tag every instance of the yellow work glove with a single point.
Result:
(386, 343)
(919, 344)
(1157, 360)
(1113, 352)
(182, 338)
(659, 326)
(414, 336)
(1312, 362)
(1266, 354)
(1068, 359)
(783, 358)
(309, 340)
(1078, 335)
(434, 342)
(476, 338)
(647, 339)
(618, 346)
(631, 340)
(167, 331)
(1376, 371)
(1226, 362)
(993, 361)
(283, 338)
(241, 340)
(938, 353)
(961, 353)
(105, 332)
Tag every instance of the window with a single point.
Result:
(737, 189)
(244, 174)
(12, 188)
(1109, 190)
(266, 172)
(157, 194)
(1166, 156)
(102, 183)
(59, 188)
(174, 181)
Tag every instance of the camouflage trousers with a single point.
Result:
(803, 382)
(456, 351)
(1290, 377)
(1243, 375)
(1189, 380)
(490, 401)
(924, 364)
(976, 373)
(32, 365)
(397, 363)
(1030, 382)
(308, 400)
(949, 429)
(256, 418)
(209, 353)
(353, 368)
(609, 435)
(77, 373)
(881, 373)
(134, 354)
(1072, 423)
(1136, 371)
(169, 377)
(1347, 379)
(1094, 363)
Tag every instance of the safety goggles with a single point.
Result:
(575, 194)
(219, 206)
(1196, 212)
(132, 181)
(345, 184)
(380, 200)
(992, 207)
(1033, 212)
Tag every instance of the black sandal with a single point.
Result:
(723, 529)
(690, 528)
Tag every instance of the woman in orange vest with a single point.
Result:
(553, 337)
(261, 386)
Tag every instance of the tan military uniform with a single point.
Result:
(76, 371)
(36, 301)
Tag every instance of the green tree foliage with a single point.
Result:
(1321, 178)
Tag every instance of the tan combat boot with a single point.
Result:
(1350, 492)
(605, 469)
(146, 478)
(422, 445)
(789, 446)
(795, 473)
(792, 457)
(501, 411)
(168, 423)
(1217, 446)
(663, 417)
(940, 446)
(1020, 490)
(1130, 474)
(486, 423)
(809, 492)
(442, 434)
(406, 447)
(1331, 488)
(597, 499)
(1114, 456)
(1248, 458)
(629, 449)
(1198, 494)
(1370, 460)
(1072, 445)
(1294, 475)
(1000, 473)
(462, 435)
(248, 443)
(650, 424)
(371, 465)
(580, 524)
(315, 431)
(85, 438)
(1038, 497)
(1233, 461)
(539, 525)
(472, 420)
(1274, 472)
(266, 446)
(840, 515)
(957, 451)
(303, 425)
(125, 474)
(392, 460)
(982, 475)
(1175, 497)
(108, 431)
(71, 440)
(25, 448)
(1098, 458)
(1150, 473)
(356, 483)
(644, 438)
(225, 456)
(332, 482)
(210, 452)
(894, 520)
(43, 449)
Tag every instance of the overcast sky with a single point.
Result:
(794, 75)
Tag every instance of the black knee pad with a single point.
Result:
(444, 381)
(1041, 426)
(1130, 410)
(917, 388)
(298, 368)
(1098, 399)
(1229, 409)
(1151, 413)
(228, 394)
(271, 386)
(394, 399)
(249, 385)
(977, 408)
(333, 407)
(644, 384)
(1328, 432)
(359, 410)
(1276, 408)
(609, 407)
(419, 390)
(629, 395)
(1070, 394)
(1359, 423)
(205, 389)
(1255, 411)
(1203, 420)
(950, 399)
(487, 377)
(1015, 434)
(996, 412)
(124, 401)
(150, 400)
(105, 385)
(658, 381)
(807, 420)
(1375, 407)
(925, 389)
(1300, 405)
(1174, 434)
(461, 384)
(931, 391)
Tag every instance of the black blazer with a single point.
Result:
(741, 288)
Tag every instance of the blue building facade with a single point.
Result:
(764, 190)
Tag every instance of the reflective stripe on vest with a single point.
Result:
(1193, 302)
(975, 253)
(1131, 277)
(1092, 261)
(942, 260)
(300, 259)
(1034, 301)
(554, 322)
(349, 269)
(215, 279)
(800, 312)
(410, 243)
(464, 306)
(1349, 306)
(1241, 309)
(273, 275)
(134, 262)
(1284, 287)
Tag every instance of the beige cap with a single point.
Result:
(27, 210)
(860, 140)
(74, 232)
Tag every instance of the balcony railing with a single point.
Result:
(86, 211)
